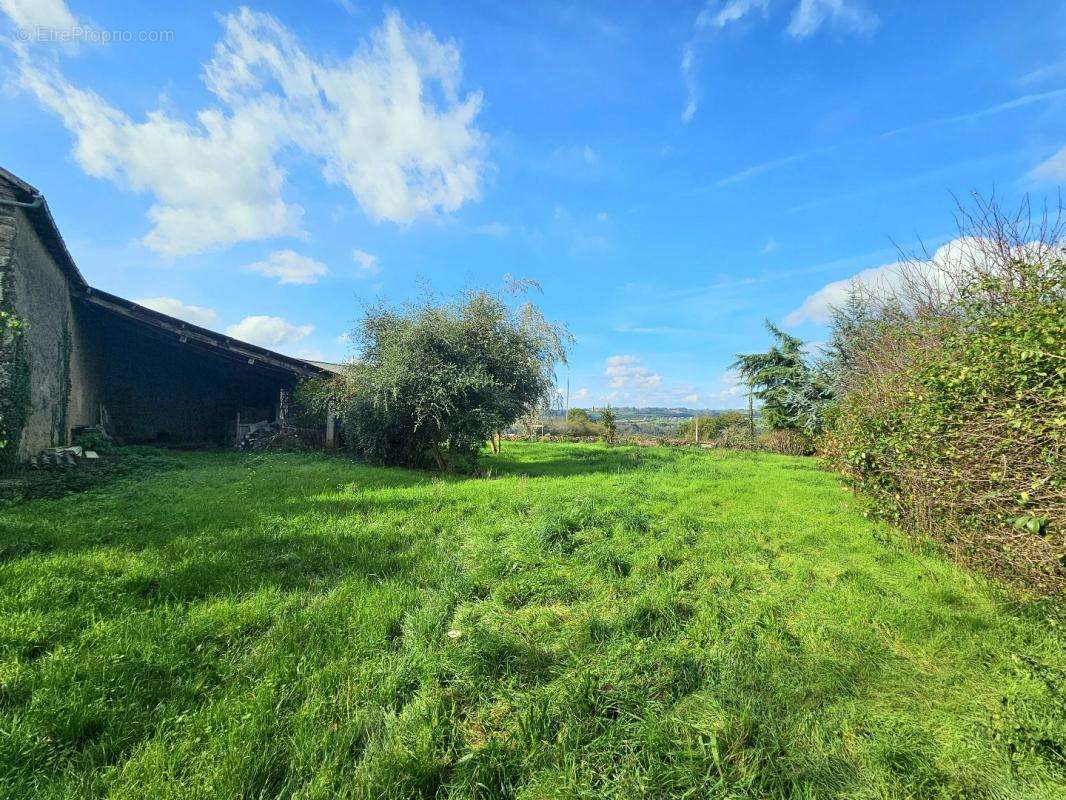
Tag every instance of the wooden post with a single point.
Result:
(238, 429)
(331, 429)
(697, 430)
(751, 412)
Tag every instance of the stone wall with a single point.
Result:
(64, 390)
(12, 393)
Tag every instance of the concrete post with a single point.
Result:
(331, 430)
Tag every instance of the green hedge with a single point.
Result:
(960, 432)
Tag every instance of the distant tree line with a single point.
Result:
(709, 427)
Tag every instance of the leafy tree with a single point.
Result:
(793, 395)
(710, 426)
(577, 416)
(609, 423)
(435, 381)
(579, 423)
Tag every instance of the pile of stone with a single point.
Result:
(64, 458)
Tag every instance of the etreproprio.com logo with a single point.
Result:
(79, 33)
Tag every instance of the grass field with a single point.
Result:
(589, 622)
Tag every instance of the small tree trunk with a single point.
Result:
(442, 465)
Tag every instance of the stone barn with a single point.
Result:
(73, 356)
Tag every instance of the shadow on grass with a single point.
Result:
(76, 570)
(244, 510)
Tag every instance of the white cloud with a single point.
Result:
(627, 372)
(366, 264)
(575, 160)
(851, 17)
(290, 267)
(690, 398)
(1047, 72)
(29, 15)
(387, 123)
(770, 246)
(579, 395)
(710, 17)
(1054, 169)
(961, 254)
(197, 315)
(311, 354)
(268, 331)
(713, 16)
(973, 116)
(818, 307)
(215, 183)
(585, 235)
(807, 17)
(727, 396)
(767, 166)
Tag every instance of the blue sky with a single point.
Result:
(672, 173)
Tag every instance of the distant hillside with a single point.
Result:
(651, 421)
(632, 413)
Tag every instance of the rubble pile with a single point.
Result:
(64, 458)
(279, 435)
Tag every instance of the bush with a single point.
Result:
(786, 443)
(609, 424)
(579, 423)
(955, 415)
(95, 440)
(710, 426)
(735, 437)
(434, 382)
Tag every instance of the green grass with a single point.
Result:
(632, 623)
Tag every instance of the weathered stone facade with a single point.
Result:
(63, 390)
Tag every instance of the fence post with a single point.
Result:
(331, 429)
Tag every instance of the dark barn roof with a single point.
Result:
(195, 336)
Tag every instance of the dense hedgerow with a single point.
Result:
(951, 413)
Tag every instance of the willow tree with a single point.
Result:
(433, 382)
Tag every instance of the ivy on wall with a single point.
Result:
(15, 382)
